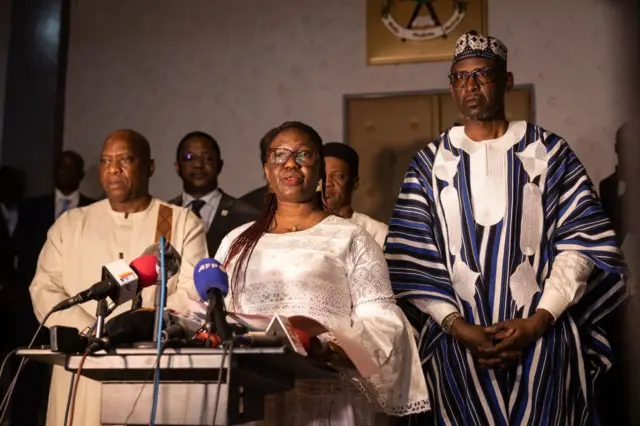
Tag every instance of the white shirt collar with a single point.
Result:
(74, 197)
(212, 198)
(514, 134)
(6, 209)
(10, 217)
(212, 201)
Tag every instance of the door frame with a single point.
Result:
(347, 97)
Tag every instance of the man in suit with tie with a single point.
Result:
(39, 213)
(36, 216)
(198, 163)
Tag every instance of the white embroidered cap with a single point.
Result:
(474, 45)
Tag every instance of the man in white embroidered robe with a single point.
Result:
(84, 239)
(495, 235)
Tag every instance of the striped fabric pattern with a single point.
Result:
(554, 383)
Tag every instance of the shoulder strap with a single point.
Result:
(165, 222)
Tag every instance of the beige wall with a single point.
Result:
(236, 68)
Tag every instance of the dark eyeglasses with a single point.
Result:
(480, 76)
(304, 157)
(190, 157)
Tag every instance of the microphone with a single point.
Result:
(172, 261)
(173, 332)
(212, 284)
(255, 339)
(172, 258)
(145, 268)
(120, 283)
(249, 340)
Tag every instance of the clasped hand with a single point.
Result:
(502, 344)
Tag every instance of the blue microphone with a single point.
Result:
(212, 284)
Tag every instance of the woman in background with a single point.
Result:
(298, 259)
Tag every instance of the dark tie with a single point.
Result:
(66, 203)
(196, 206)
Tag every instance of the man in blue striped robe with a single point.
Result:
(503, 260)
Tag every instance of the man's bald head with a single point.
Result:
(137, 143)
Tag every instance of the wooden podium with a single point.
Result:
(189, 382)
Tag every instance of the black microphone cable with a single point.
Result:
(74, 389)
(69, 395)
(4, 406)
(6, 360)
(72, 381)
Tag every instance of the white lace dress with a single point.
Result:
(335, 273)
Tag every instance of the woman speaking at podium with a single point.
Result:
(299, 259)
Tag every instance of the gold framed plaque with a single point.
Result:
(420, 30)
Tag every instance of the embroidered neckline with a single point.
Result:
(512, 136)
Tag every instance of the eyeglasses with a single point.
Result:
(480, 76)
(190, 157)
(305, 157)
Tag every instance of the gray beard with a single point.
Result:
(484, 116)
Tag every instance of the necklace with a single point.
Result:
(296, 227)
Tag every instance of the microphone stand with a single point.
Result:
(96, 342)
(101, 313)
(159, 311)
(158, 305)
(156, 321)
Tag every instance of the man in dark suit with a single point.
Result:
(36, 215)
(39, 213)
(198, 163)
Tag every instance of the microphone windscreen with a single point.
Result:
(172, 258)
(153, 249)
(145, 267)
(130, 327)
(208, 274)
